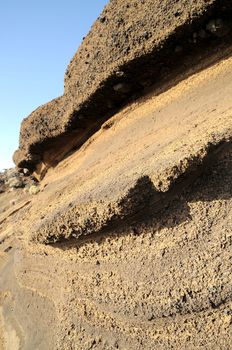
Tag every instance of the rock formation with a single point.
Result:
(128, 242)
(132, 45)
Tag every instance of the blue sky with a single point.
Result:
(37, 39)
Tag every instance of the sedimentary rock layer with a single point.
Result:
(132, 45)
(156, 143)
(138, 232)
(128, 243)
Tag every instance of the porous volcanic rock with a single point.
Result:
(132, 45)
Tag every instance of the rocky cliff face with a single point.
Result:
(131, 46)
(127, 243)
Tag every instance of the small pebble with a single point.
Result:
(218, 27)
(34, 189)
(120, 73)
(26, 172)
(211, 26)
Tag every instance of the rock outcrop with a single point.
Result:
(127, 244)
(131, 46)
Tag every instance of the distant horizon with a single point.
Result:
(38, 42)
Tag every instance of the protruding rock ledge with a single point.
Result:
(160, 145)
(131, 46)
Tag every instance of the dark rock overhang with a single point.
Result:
(132, 46)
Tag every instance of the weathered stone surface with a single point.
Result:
(137, 231)
(132, 45)
(128, 243)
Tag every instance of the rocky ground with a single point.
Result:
(12, 179)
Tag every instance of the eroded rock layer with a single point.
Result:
(137, 225)
(131, 46)
(127, 241)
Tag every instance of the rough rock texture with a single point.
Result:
(132, 45)
(128, 243)
(138, 231)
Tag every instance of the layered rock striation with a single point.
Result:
(127, 243)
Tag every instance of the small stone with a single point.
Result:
(218, 27)
(120, 73)
(211, 26)
(26, 172)
(34, 189)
